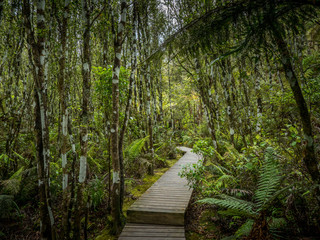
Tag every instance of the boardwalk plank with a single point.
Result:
(159, 213)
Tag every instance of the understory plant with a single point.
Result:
(258, 211)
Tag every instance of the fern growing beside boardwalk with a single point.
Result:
(135, 148)
(257, 211)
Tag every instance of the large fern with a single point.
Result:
(267, 191)
(239, 207)
(269, 180)
(135, 148)
(11, 186)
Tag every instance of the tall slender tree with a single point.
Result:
(86, 85)
(38, 42)
(116, 186)
(129, 98)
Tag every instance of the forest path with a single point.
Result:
(159, 212)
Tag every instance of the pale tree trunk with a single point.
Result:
(310, 159)
(216, 96)
(129, 102)
(259, 103)
(206, 96)
(86, 82)
(72, 175)
(149, 119)
(63, 92)
(140, 90)
(116, 202)
(159, 88)
(257, 81)
(246, 103)
(147, 75)
(154, 97)
(39, 54)
(170, 102)
(225, 82)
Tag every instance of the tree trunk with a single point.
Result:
(39, 55)
(63, 92)
(225, 80)
(116, 202)
(84, 118)
(206, 97)
(129, 101)
(149, 119)
(309, 159)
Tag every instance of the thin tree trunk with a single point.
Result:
(39, 55)
(129, 101)
(159, 87)
(149, 119)
(64, 123)
(84, 118)
(116, 202)
(226, 78)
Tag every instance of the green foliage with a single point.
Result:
(267, 191)
(11, 186)
(8, 207)
(236, 207)
(96, 191)
(194, 174)
(103, 84)
(204, 148)
(134, 149)
(269, 180)
(245, 229)
(28, 185)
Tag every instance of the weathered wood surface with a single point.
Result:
(159, 212)
(134, 231)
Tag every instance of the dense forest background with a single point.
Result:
(95, 95)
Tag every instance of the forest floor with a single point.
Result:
(199, 218)
(203, 221)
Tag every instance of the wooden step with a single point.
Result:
(154, 232)
(159, 213)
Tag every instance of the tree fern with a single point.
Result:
(267, 191)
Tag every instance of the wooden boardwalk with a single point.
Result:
(159, 212)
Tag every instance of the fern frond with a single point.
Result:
(232, 203)
(12, 185)
(273, 197)
(238, 192)
(277, 223)
(135, 148)
(245, 229)
(218, 155)
(269, 180)
(225, 180)
(17, 174)
(234, 212)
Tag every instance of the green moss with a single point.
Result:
(147, 182)
(105, 235)
(194, 236)
(137, 191)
